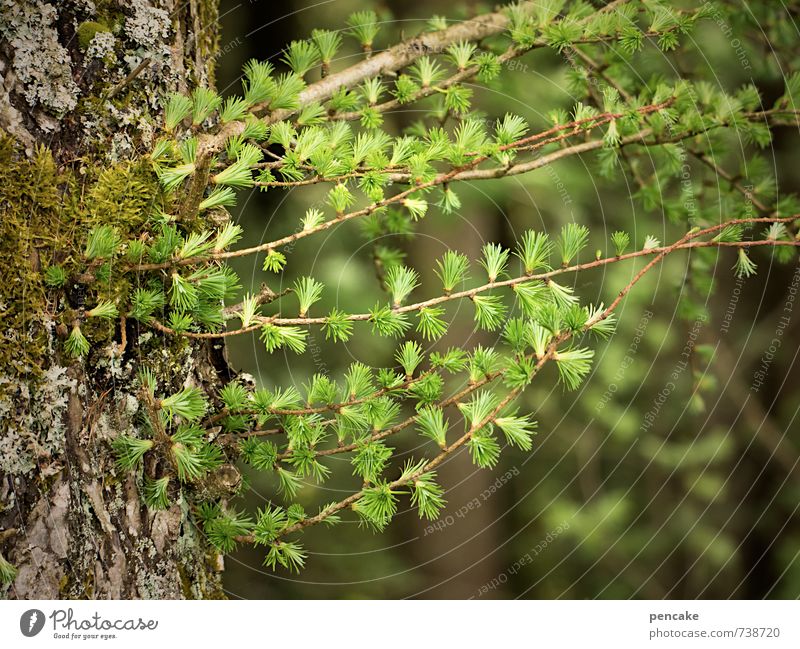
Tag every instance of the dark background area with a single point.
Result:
(703, 503)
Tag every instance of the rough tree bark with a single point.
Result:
(81, 83)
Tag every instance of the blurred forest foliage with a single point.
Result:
(666, 474)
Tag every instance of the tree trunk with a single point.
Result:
(81, 85)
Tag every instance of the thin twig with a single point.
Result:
(133, 74)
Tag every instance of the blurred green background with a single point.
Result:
(700, 502)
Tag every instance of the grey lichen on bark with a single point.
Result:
(58, 62)
(81, 88)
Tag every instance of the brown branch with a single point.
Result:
(392, 430)
(749, 194)
(123, 335)
(470, 293)
(315, 410)
(390, 60)
(403, 480)
(466, 171)
(427, 91)
(265, 296)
